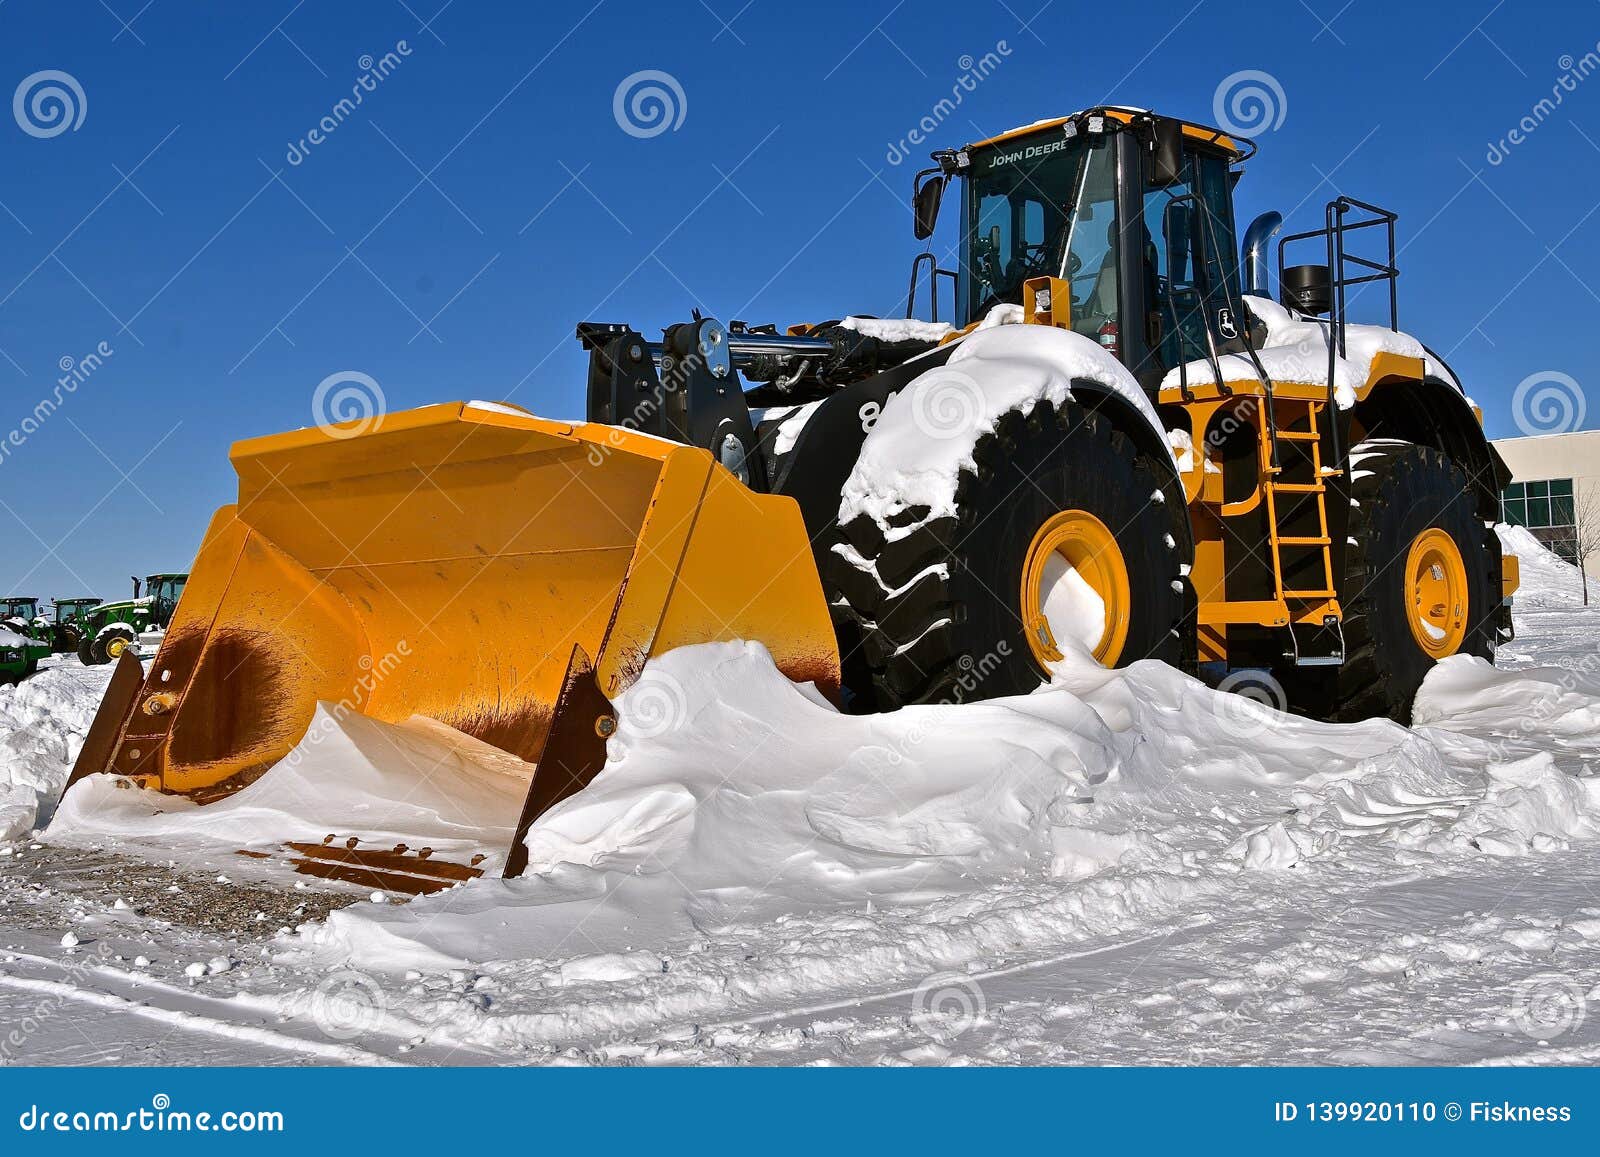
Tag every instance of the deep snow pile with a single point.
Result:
(755, 801)
(735, 802)
(1547, 581)
(751, 798)
(1296, 350)
(417, 781)
(43, 721)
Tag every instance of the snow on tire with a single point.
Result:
(935, 605)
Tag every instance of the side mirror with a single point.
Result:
(925, 205)
(1166, 166)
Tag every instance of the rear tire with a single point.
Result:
(1400, 491)
(937, 604)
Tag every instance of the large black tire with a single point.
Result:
(1398, 490)
(98, 653)
(86, 651)
(933, 615)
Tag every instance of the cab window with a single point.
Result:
(1091, 264)
(1182, 221)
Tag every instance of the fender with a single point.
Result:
(814, 472)
(1131, 422)
(1431, 412)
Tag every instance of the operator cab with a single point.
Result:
(70, 608)
(164, 590)
(19, 607)
(1133, 211)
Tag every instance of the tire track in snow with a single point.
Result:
(189, 1021)
(860, 1002)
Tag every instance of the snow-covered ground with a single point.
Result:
(1126, 867)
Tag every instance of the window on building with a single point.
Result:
(1545, 507)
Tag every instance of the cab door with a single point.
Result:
(1186, 287)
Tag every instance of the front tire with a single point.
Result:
(949, 609)
(1422, 582)
(110, 644)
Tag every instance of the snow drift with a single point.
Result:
(734, 801)
(42, 724)
(418, 781)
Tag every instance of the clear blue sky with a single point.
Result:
(450, 232)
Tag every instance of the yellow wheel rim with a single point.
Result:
(115, 648)
(1436, 593)
(1075, 541)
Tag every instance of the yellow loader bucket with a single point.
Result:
(486, 568)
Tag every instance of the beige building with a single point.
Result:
(1553, 477)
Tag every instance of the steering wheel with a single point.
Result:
(1006, 279)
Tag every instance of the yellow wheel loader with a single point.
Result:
(1152, 459)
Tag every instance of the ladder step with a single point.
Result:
(1309, 594)
(1299, 435)
(1304, 540)
(1299, 487)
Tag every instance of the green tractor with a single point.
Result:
(70, 624)
(20, 615)
(21, 647)
(112, 628)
